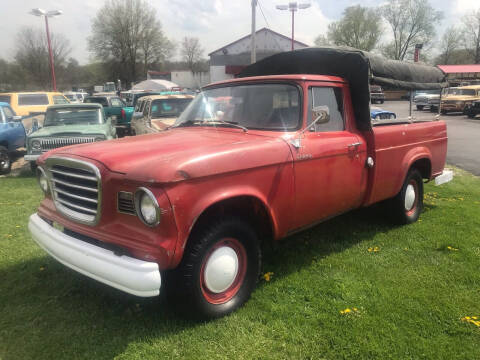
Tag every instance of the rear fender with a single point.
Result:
(413, 155)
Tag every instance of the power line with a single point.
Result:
(264, 18)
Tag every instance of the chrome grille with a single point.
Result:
(125, 203)
(56, 142)
(76, 189)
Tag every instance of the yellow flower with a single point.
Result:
(268, 275)
(451, 248)
(42, 268)
(17, 226)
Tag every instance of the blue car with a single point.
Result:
(12, 136)
(379, 114)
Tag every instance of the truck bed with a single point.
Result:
(396, 147)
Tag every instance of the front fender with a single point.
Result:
(273, 187)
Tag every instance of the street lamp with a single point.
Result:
(293, 6)
(47, 14)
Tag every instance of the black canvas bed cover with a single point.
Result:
(359, 68)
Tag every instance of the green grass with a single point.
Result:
(411, 295)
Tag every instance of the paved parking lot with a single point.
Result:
(463, 135)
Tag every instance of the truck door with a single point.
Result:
(330, 171)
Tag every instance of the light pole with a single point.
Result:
(47, 14)
(293, 6)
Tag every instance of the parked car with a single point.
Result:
(427, 98)
(472, 110)
(285, 152)
(29, 103)
(127, 112)
(12, 136)
(455, 99)
(376, 94)
(158, 112)
(112, 105)
(75, 97)
(380, 114)
(69, 125)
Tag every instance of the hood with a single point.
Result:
(428, 96)
(184, 153)
(71, 130)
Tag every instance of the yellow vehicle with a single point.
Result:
(455, 99)
(30, 103)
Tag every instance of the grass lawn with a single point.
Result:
(410, 292)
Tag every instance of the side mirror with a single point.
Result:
(137, 115)
(320, 115)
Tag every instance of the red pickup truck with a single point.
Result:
(251, 159)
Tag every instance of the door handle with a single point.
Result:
(357, 144)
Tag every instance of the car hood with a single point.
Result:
(71, 130)
(184, 153)
(428, 96)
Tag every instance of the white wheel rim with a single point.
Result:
(221, 269)
(409, 197)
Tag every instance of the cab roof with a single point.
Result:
(82, 105)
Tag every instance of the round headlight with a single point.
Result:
(147, 207)
(99, 138)
(42, 180)
(36, 146)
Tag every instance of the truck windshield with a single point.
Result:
(168, 108)
(73, 116)
(256, 106)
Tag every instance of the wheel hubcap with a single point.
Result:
(221, 269)
(410, 196)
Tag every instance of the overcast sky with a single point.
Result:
(215, 22)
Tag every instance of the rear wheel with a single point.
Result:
(5, 161)
(419, 107)
(219, 270)
(406, 206)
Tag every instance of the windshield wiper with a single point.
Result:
(206, 122)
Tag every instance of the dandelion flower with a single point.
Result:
(267, 276)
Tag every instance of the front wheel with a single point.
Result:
(5, 161)
(219, 269)
(406, 206)
(419, 107)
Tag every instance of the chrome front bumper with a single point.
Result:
(31, 157)
(133, 276)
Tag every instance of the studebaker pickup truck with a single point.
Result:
(190, 206)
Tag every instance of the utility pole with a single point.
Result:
(47, 14)
(293, 7)
(253, 49)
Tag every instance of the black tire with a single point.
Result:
(444, 112)
(403, 211)
(433, 109)
(420, 107)
(5, 161)
(33, 166)
(471, 116)
(382, 101)
(188, 283)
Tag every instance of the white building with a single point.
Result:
(187, 79)
(229, 60)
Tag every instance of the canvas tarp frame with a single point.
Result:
(358, 68)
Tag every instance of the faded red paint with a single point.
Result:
(190, 169)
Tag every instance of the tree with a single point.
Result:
(32, 55)
(321, 40)
(412, 22)
(471, 30)
(359, 28)
(128, 37)
(450, 43)
(191, 52)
